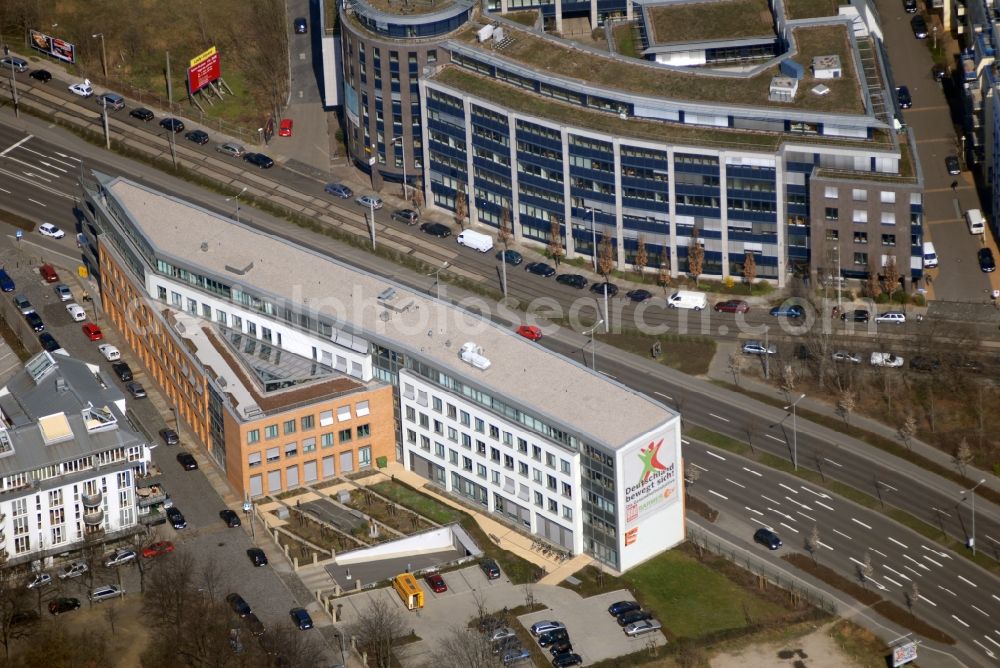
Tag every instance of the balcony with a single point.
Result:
(93, 518)
(152, 495)
(92, 500)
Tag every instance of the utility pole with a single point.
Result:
(13, 90)
(795, 431)
(372, 205)
(170, 105)
(104, 116)
(104, 55)
(972, 491)
(767, 356)
(593, 348)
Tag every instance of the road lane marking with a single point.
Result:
(936, 563)
(32, 175)
(824, 545)
(947, 590)
(842, 534)
(793, 491)
(890, 568)
(937, 553)
(997, 598)
(37, 202)
(989, 537)
(881, 554)
(754, 510)
(800, 505)
(892, 581)
(812, 491)
(980, 610)
(906, 556)
(886, 485)
(736, 483)
(902, 545)
(987, 637)
(833, 462)
(811, 519)
(912, 570)
(701, 468)
(779, 440)
(13, 146)
(985, 649)
(752, 471)
(790, 528)
(709, 452)
(712, 491)
(685, 442)
(770, 499)
(719, 417)
(938, 510)
(665, 396)
(820, 503)
(960, 621)
(924, 598)
(857, 521)
(967, 581)
(6, 191)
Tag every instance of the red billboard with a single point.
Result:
(53, 46)
(204, 69)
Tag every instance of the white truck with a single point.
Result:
(886, 359)
(476, 240)
(687, 299)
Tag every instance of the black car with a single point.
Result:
(573, 280)
(187, 461)
(123, 371)
(952, 165)
(142, 114)
(910, 6)
(919, 26)
(169, 436)
(408, 216)
(939, 72)
(172, 124)
(633, 616)
(176, 518)
(621, 607)
(564, 647)
(301, 619)
(903, 97)
(986, 262)
(48, 342)
(553, 637)
(598, 288)
(257, 556)
(255, 626)
(35, 322)
(922, 363)
(436, 230)
(540, 269)
(239, 606)
(490, 568)
(510, 257)
(856, 315)
(41, 75)
(197, 136)
(63, 604)
(231, 519)
(570, 659)
(639, 295)
(259, 160)
(301, 27)
(767, 538)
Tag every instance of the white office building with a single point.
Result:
(69, 459)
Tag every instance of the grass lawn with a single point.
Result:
(689, 354)
(731, 19)
(625, 40)
(809, 9)
(421, 503)
(526, 18)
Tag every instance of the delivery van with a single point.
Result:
(930, 255)
(977, 224)
(687, 299)
(476, 240)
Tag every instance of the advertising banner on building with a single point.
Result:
(53, 46)
(204, 69)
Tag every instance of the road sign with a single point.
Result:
(19, 234)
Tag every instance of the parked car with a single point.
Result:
(22, 304)
(545, 626)
(641, 628)
(82, 88)
(436, 230)
(633, 616)
(105, 592)
(231, 149)
(856, 315)
(886, 359)
(767, 538)
(187, 460)
(552, 637)
(119, 557)
(257, 556)
(238, 605)
(158, 548)
(598, 288)
(986, 262)
(76, 312)
(50, 230)
(577, 281)
(39, 580)
(891, 317)
(529, 332)
(639, 295)
(63, 604)
(35, 321)
(490, 569)
(13, 63)
(919, 27)
(136, 389)
(436, 583)
(903, 97)
(230, 517)
(568, 659)
(63, 292)
(41, 75)
(539, 269)
(73, 569)
(621, 607)
(48, 273)
(516, 656)
(176, 518)
(48, 342)
(952, 165)
(370, 202)
(110, 353)
(788, 311)
(111, 101)
(732, 306)
(408, 216)
(758, 348)
(338, 190)
(301, 619)
(910, 6)
(254, 625)
(301, 27)
(169, 436)
(258, 160)
(142, 114)
(923, 363)
(285, 128)
(199, 137)
(509, 643)
(123, 371)
(559, 648)
(846, 356)
(6, 282)
(511, 257)
(92, 332)
(174, 125)
(501, 633)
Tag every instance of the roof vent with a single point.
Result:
(61, 385)
(827, 67)
(782, 89)
(473, 354)
(204, 246)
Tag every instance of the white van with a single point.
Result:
(977, 224)
(76, 312)
(110, 353)
(930, 255)
(687, 299)
(476, 240)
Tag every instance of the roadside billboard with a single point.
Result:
(203, 70)
(53, 46)
(904, 654)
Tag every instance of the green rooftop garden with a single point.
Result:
(730, 19)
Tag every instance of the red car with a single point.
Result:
(92, 332)
(48, 272)
(530, 332)
(285, 129)
(156, 549)
(732, 306)
(436, 582)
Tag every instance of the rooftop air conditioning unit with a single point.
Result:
(473, 354)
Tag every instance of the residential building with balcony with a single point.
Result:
(70, 459)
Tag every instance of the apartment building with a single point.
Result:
(545, 444)
(69, 459)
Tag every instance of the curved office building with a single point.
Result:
(755, 133)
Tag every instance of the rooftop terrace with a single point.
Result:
(730, 19)
(559, 58)
(406, 7)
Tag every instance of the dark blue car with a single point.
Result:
(540, 269)
(301, 618)
(788, 311)
(6, 282)
(259, 160)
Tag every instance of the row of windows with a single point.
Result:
(326, 440)
(308, 422)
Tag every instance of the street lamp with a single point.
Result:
(13, 88)
(972, 541)
(406, 192)
(437, 280)
(593, 348)
(104, 57)
(795, 431)
(237, 198)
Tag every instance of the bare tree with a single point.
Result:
(417, 197)
(865, 570)
(605, 257)
(691, 473)
(736, 363)
(504, 234)
(138, 542)
(377, 627)
(891, 275)
(641, 258)
(263, 56)
(813, 542)
(556, 249)
(696, 256)
(787, 379)
(13, 600)
(111, 616)
(963, 456)
(467, 648)
(461, 206)
(663, 278)
(872, 285)
(912, 596)
(908, 429)
(171, 592)
(749, 270)
(845, 405)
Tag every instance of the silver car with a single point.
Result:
(231, 149)
(106, 592)
(119, 557)
(641, 628)
(15, 63)
(73, 570)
